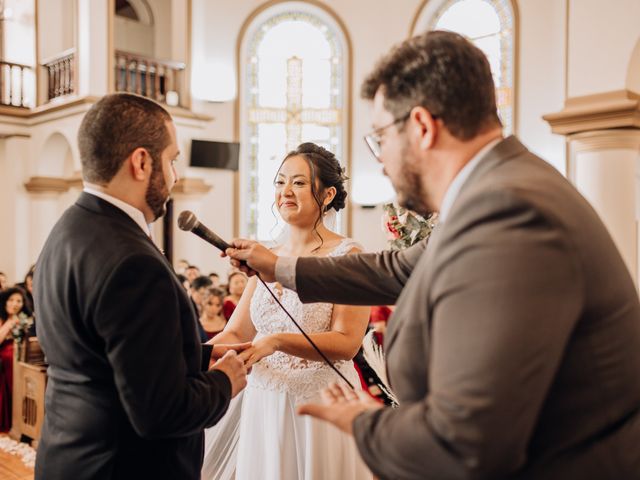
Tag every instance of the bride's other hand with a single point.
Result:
(263, 347)
(257, 258)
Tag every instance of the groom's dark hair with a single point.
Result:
(114, 127)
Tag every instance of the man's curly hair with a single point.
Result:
(442, 72)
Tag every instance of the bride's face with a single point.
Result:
(294, 197)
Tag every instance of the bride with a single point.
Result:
(261, 436)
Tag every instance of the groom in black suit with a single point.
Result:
(126, 396)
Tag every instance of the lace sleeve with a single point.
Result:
(345, 247)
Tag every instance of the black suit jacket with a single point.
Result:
(126, 397)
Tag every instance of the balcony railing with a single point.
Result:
(16, 84)
(149, 77)
(60, 74)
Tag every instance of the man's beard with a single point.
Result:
(409, 189)
(157, 192)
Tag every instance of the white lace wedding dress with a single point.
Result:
(273, 442)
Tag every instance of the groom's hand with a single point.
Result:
(231, 365)
(257, 258)
(219, 350)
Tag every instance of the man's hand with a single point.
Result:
(257, 258)
(260, 348)
(234, 368)
(220, 350)
(340, 406)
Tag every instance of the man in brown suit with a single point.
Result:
(514, 348)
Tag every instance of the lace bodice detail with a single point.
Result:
(301, 378)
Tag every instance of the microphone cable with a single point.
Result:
(304, 334)
(188, 222)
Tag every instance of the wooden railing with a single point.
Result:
(60, 74)
(149, 77)
(13, 85)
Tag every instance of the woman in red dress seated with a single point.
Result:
(212, 319)
(237, 282)
(12, 302)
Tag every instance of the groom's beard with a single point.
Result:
(157, 193)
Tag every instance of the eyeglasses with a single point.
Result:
(373, 139)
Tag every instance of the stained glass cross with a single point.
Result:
(294, 116)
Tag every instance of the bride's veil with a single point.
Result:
(221, 444)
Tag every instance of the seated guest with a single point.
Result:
(181, 266)
(197, 292)
(184, 282)
(191, 272)
(236, 284)
(27, 287)
(12, 302)
(211, 318)
(215, 278)
(378, 320)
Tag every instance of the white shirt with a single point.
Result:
(135, 214)
(285, 270)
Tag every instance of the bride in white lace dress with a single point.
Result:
(262, 436)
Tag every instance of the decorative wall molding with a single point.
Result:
(53, 184)
(191, 186)
(625, 138)
(601, 111)
(75, 181)
(47, 185)
(73, 105)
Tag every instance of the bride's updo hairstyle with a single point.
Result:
(326, 172)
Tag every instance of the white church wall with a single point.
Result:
(541, 76)
(602, 37)
(14, 214)
(55, 27)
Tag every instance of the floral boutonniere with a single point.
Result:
(405, 227)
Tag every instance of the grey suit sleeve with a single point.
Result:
(504, 293)
(139, 318)
(358, 279)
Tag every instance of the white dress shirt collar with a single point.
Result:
(454, 188)
(135, 214)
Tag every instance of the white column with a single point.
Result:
(14, 213)
(604, 166)
(93, 47)
(44, 212)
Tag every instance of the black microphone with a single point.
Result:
(188, 222)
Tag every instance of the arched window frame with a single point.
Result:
(431, 11)
(250, 32)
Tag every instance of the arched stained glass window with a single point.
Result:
(293, 91)
(489, 24)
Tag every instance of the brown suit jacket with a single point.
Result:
(515, 344)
